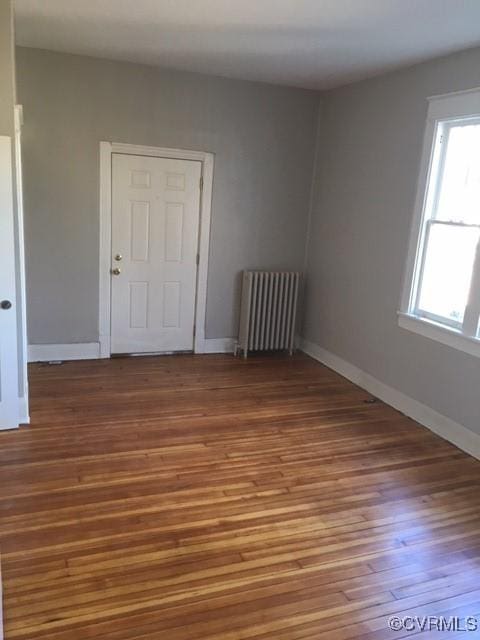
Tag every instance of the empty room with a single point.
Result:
(239, 319)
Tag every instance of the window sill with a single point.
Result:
(448, 336)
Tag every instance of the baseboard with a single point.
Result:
(219, 345)
(75, 351)
(227, 345)
(23, 415)
(1, 602)
(104, 346)
(444, 427)
(94, 350)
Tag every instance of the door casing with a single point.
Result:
(207, 160)
(9, 397)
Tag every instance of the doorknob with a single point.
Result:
(5, 304)
(118, 257)
(116, 271)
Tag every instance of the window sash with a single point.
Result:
(437, 172)
(471, 319)
(470, 324)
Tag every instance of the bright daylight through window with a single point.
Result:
(444, 280)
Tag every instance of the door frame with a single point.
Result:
(107, 149)
(24, 413)
(9, 396)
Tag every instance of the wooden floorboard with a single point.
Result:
(213, 498)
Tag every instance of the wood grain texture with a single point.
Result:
(212, 498)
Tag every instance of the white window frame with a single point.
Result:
(444, 111)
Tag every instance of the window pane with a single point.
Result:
(447, 272)
(459, 197)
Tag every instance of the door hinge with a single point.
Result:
(194, 331)
(201, 183)
(198, 258)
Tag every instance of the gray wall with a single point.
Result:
(7, 69)
(370, 145)
(263, 138)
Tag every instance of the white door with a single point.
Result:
(155, 223)
(8, 318)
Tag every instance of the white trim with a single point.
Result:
(105, 248)
(23, 413)
(1, 601)
(8, 322)
(454, 105)
(74, 351)
(446, 335)
(159, 152)
(461, 92)
(93, 350)
(219, 345)
(207, 160)
(444, 427)
(23, 401)
(411, 276)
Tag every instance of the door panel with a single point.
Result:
(155, 224)
(8, 317)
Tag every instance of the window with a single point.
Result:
(443, 277)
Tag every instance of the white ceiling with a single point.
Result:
(315, 44)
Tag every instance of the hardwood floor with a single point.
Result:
(212, 498)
